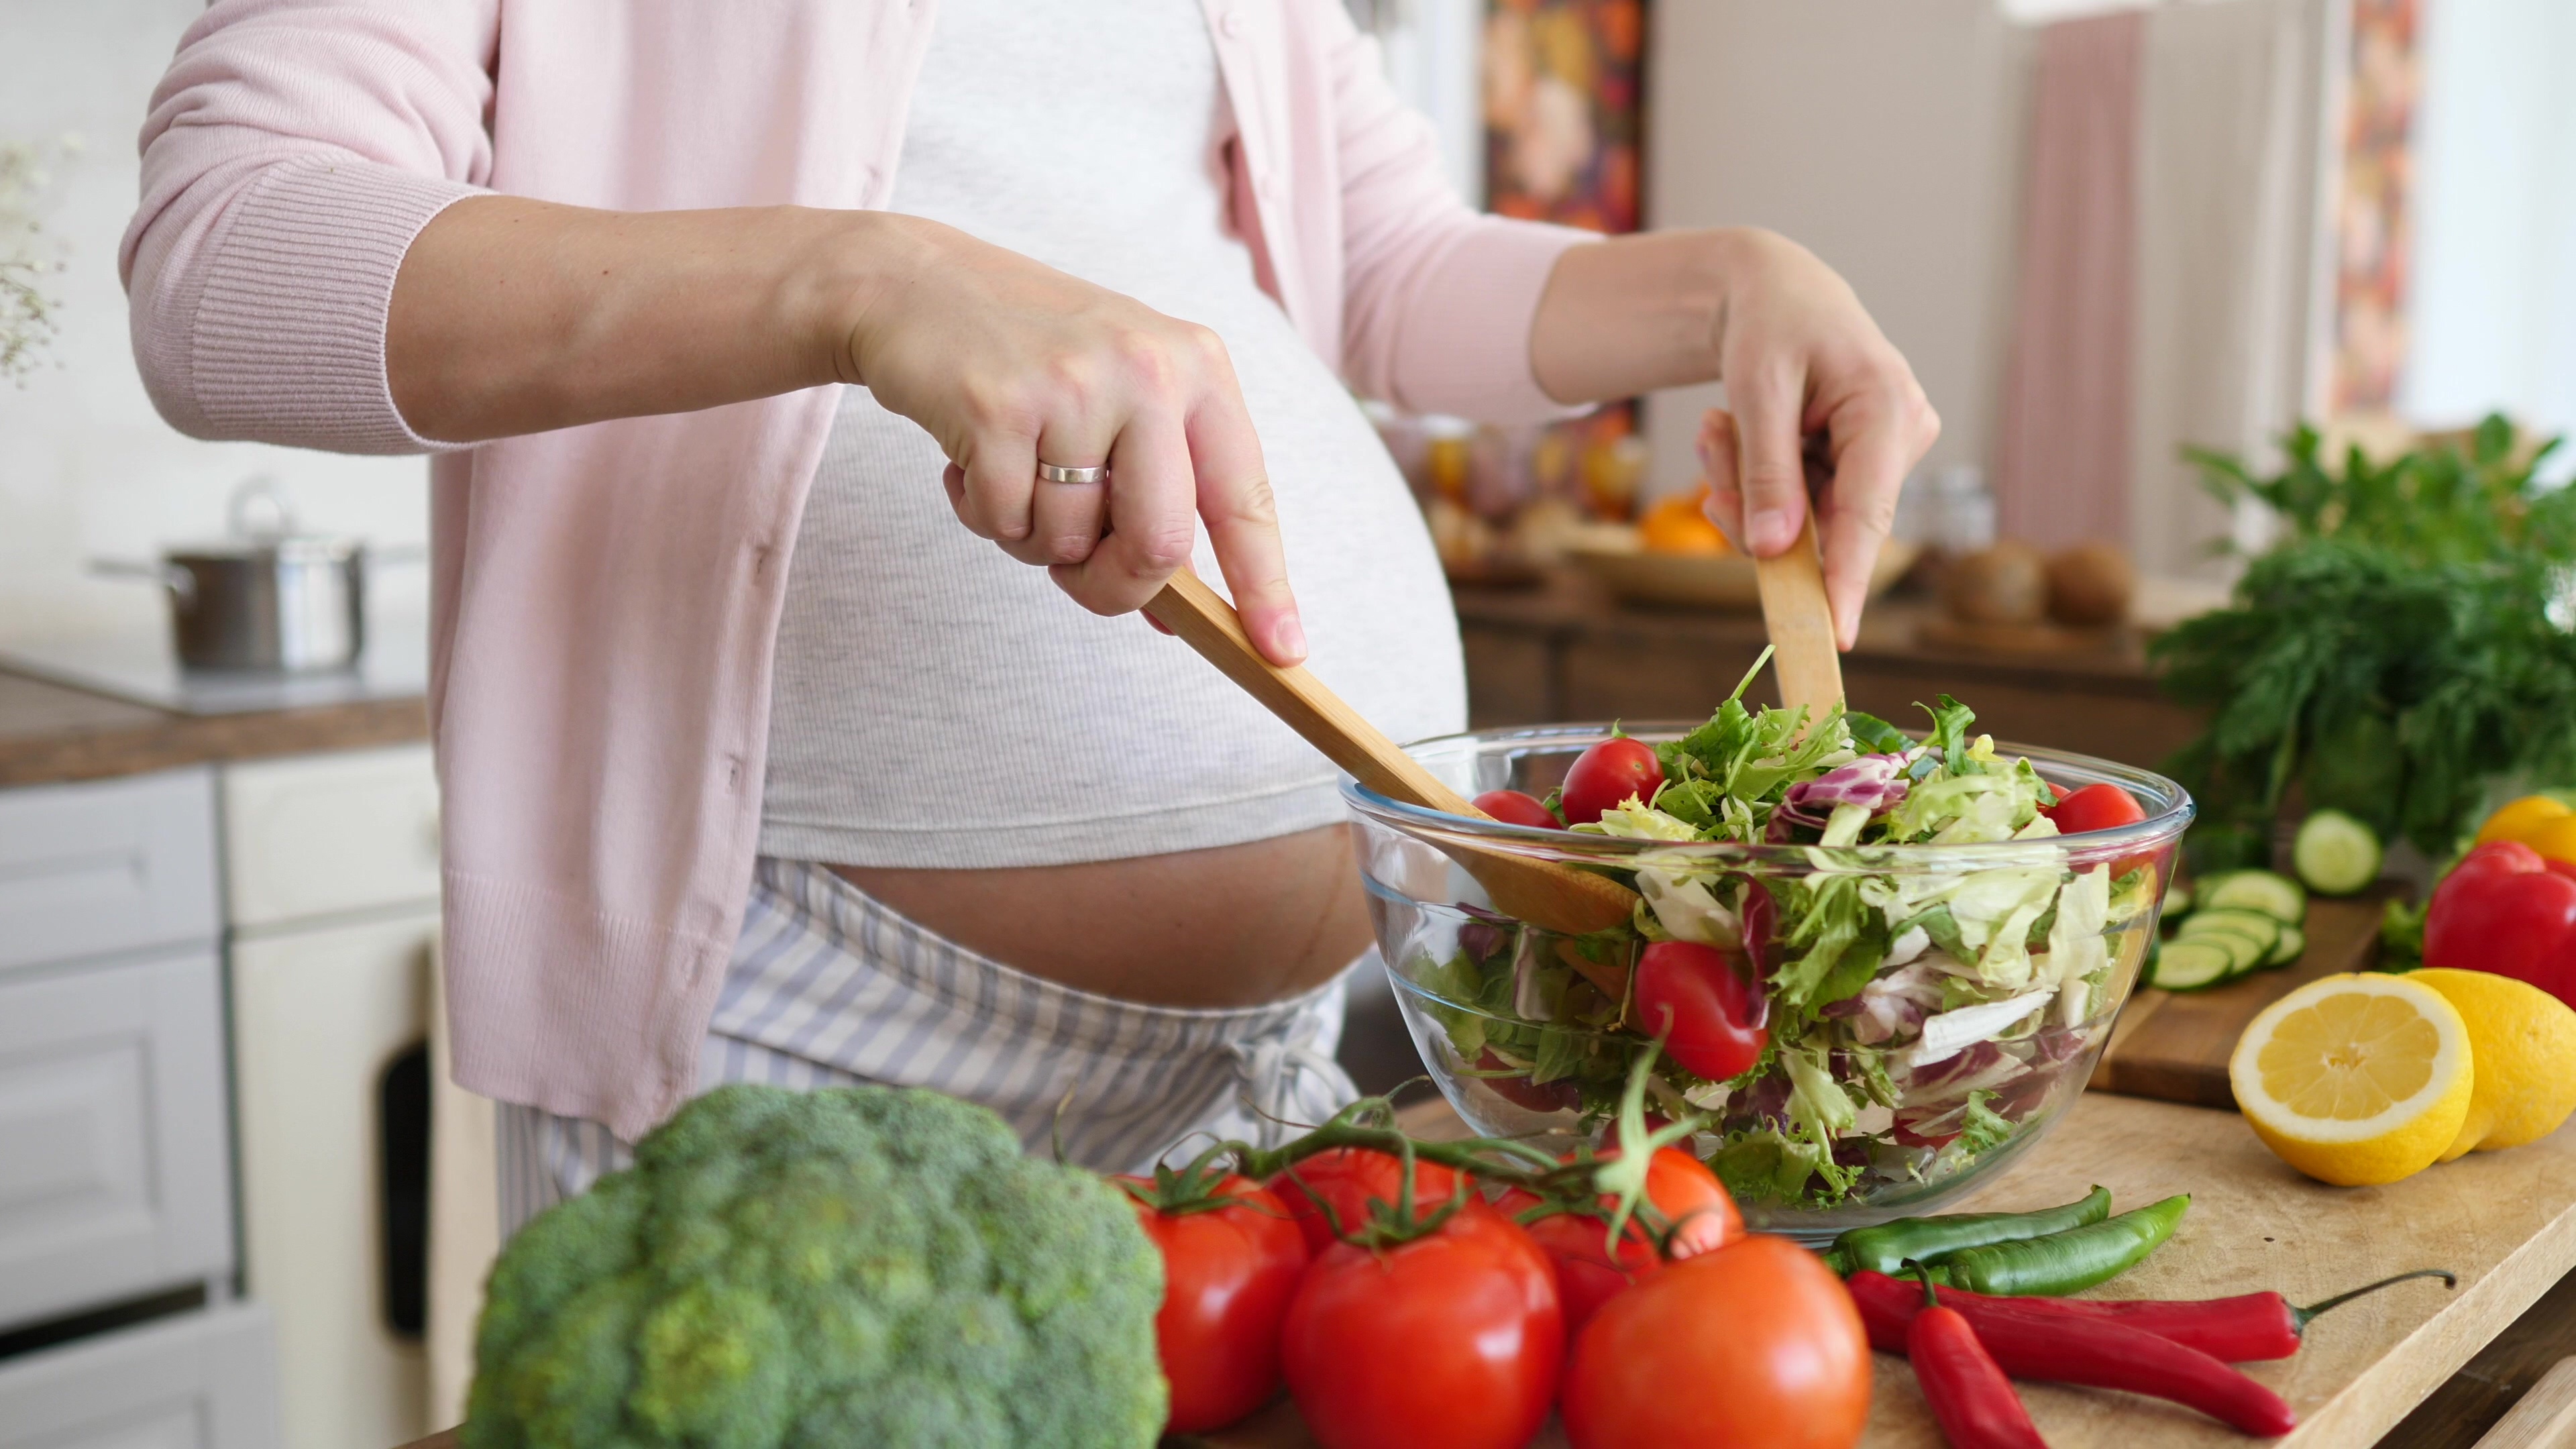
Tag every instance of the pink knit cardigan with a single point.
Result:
(606, 597)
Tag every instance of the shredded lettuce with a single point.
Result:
(1914, 1018)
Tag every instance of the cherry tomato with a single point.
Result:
(1605, 775)
(1228, 1274)
(1680, 1186)
(1514, 808)
(1754, 1344)
(2102, 806)
(1452, 1341)
(1704, 1004)
(1347, 1178)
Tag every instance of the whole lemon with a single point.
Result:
(2523, 1042)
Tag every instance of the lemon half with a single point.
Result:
(2524, 1042)
(2354, 1079)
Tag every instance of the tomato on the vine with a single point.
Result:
(1512, 807)
(1604, 776)
(1228, 1275)
(1451, 1341)
(1703, 1218)
(1705, 1005)
(1756, 1343)
(1345, 1179)
(2099, 806)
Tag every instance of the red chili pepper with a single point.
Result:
(2099, 1353)
(1967, 1391)
(2502, 909)
(2242, 1329)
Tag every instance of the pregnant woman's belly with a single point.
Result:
(1231, 926)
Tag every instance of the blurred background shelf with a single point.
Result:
(1567, 651)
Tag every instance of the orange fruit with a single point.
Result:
(1679, 525)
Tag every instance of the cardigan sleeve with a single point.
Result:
(292, 153)
(1437, 297)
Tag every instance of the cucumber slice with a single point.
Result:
(2335, 853)
(2244, 953)
(2253, 925)
(2190, 965)
(2273, 894)
(2178, 900)
(2294, 944)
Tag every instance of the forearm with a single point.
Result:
(515, 316)
(1635, 313)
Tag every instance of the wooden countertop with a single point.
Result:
(1571, 605)
(51, 734)
(2504, 1221)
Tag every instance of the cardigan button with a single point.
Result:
(1230, 23)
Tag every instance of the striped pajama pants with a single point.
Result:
(828, 987)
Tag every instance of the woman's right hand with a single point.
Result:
(1009, 363)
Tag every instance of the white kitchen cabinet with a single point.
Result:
(112, 1144)
(106, 866)
(318, 1016)
(200, 1381)
(322, 835)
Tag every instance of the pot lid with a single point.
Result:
(261, 525)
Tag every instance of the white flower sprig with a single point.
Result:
(28, 256)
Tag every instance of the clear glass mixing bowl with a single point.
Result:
(1492, 1002)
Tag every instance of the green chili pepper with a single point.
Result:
(2066, 1262)
(1884, 1247)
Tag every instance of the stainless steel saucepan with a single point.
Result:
(267, 597)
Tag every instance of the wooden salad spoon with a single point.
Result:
(1801, 623)
(1545, 893)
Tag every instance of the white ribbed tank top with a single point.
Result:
(935, 703)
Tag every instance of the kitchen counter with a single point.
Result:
(2412, 1368)
(51, 733)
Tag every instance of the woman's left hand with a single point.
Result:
(1818, 401)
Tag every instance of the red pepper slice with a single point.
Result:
(2503, 910)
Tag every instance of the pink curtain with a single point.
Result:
(2062, 460)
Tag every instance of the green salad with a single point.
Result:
(1842, 1013)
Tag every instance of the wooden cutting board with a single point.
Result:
(2504, 1221)
(2175, 1045)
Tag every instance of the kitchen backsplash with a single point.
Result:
(87, 469)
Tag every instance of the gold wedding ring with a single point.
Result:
(1053, 474)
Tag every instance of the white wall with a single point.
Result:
(86, 467)
(2493, 312)
(1885, 135)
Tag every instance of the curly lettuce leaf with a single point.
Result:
(1984, 1129)
(1766, 1165)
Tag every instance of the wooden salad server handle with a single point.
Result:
(1801, 622)
(1547, 894)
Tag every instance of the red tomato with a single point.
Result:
(1452, 1341)
(1347, 1178)
(1605, 775)
(2102, 806)
(1704, 1004)
(1754, 1344)
(1679, 1185)
(1514, 808)
(1228, 1274)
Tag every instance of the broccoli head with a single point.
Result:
(858, 1266)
